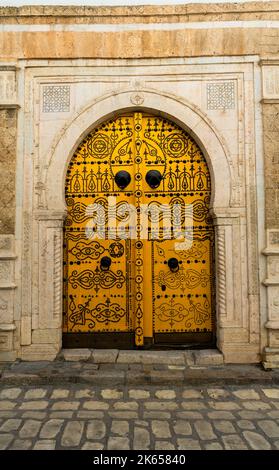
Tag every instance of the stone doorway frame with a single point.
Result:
(237, 313)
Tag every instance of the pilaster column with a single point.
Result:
(271, 352)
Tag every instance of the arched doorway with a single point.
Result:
(138, 283)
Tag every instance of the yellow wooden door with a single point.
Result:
(134, 282)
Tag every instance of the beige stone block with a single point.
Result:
(111, 394)
(45, 444)
(208, 357)
(271, 392)
(48, 336)
(65, 405)
(39, 352)
(247, 394)
(104, 356)
(72, 434)
(26, 336)
(6, 341)
(234, 442)
(213, 446)
(160, 429)
(76, 354)
(156, 415)
(92, 446)
(118, 443)
(217, 393)
(125, 405)
(40, 415)
(204, 430)
(165, 394)
(35, 393)
(151, 357)
(193, 405)
(61, 414)
(255, 405)
(10, 393)
(95, 405)
(139, 394)
(190, 393)
(5, 440)
(8, 356)
(96, 429)
(223, 405)
(6, 306)
(240, 355)
(256, 440)
(141, 439)
(90, 414)
(182, 427)
(160, 405)
(7, 405)
(164, 445)
(60, 393)
(120, 427)
(34, 405)
(188, 415)
(188, 444)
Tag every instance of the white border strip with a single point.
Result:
(137, 26)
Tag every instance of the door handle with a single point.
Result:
(173, 264)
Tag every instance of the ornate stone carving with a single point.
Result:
(221, 270)
(7, 87)
(271, 81)
(40, 191)
(56, 98)
(221, 95)
(5, 271)
(5, 243)
(3, 305)
(57, 275)
(273, 267)
(6, 341)
(275, 305)
(137, 99)
(26, 281)
(273, 237)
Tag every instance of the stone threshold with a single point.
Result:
(204, 357)
(60, 372)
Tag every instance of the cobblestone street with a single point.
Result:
(86, 417)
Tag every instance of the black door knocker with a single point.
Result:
(153, 178)
(173, 264)
(105, 263)
(122, 179)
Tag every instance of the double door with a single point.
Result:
(138, 239)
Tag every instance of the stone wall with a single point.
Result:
(8, 119)
(271, 152)
(81, 36)
(114, 54)
(141, 14)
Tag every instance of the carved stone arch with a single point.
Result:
(185, 114)
(226, 217)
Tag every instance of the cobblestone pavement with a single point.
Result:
(158, 418)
